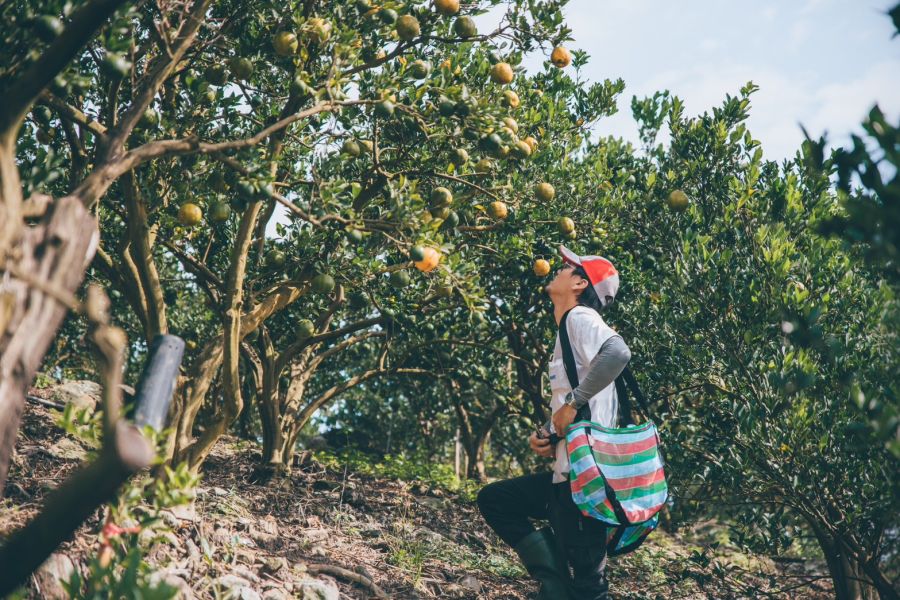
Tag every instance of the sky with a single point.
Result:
(820, 63)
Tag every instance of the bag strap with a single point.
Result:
(633, 384)
(626, 412)
(584, 413)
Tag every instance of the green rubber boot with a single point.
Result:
(544, 563)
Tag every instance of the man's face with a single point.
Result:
(566, 281)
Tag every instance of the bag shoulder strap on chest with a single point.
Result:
(624, 381)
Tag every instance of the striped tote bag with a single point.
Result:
(616, 474)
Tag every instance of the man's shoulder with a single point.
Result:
(589, 315)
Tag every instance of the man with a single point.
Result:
(569, 558)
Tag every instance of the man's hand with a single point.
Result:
(563, 418)
(541, 446)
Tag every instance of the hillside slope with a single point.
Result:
(331, 532)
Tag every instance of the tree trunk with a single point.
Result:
(190, 399)
(456, 448)
(885, 589)
(43, 273)
(847, 574)
(475, 462)
(273, 454)
(205, 367)
(279, 451)
(270, 418)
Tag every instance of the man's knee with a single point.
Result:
(487, 499)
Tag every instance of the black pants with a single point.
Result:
(508, 506)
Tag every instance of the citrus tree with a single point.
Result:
(182, 127)
(748, 327)
(869, 219)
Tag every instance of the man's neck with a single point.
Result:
(561, 306)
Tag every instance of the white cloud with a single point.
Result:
(841, 106)
(798, 35)
(709, 44)
(782, 103)
(811, 6)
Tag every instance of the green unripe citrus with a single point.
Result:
(465, 27)
(408, 28)
(285, 43)
(240, 67)
(544, 192)
(219, 212)
(384, 109)
(305, 329)
(322, 283)
(399, 279)
(417, 253)
(566, 225)
(441, 196)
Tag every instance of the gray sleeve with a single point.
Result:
(611, 360)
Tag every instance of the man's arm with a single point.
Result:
(605, 367)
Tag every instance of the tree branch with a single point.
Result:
(67, 111)
(99, 181)
(294, 348)
(137, 232)
(193, 265)
(21, 93)
(158, 74)
(310, 409)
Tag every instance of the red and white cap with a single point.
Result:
(601, 273)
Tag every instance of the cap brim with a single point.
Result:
(569, 256)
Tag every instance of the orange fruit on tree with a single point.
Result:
(561, 57)
(541, 267)
(322, 283)
(408, 28)
(441, 196)
(484, 165)
(566, 225)
(240, 67)
(531, 141)
(522, 149)
(677, 200)
(285, 43)
(465, 27)
(430, 261)
(447, 7)
(439, 212)
(498, 210)
(510, 98)
(219, 212)
(502, 73)
(544, 192)
(189, 214)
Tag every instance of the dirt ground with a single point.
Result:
(332, 533)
